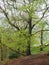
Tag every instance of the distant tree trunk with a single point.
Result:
(41, 49)
(1, 49)
(4, 52)
(29, 37)
(1, 53)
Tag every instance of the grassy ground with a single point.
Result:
(36, 50)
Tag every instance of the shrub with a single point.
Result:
(13, 55)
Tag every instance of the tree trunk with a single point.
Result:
(1, 50)
(28, 46)
(1, 53)
(29, 37)
(41, 49)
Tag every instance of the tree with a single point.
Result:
(24, 16)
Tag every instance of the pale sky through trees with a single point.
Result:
(20, 3)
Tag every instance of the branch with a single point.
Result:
(8, 19)
(40, 18)
(12, 5)
(40, 31)
(46, 45)
(46, 23)
(16, 51)
(41, 9)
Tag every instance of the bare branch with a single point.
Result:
(39, 31)
(9, 19)
(46, 23)
(40, 18)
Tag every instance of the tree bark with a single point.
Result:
(41, 49)
(29, 37)
(1, 50)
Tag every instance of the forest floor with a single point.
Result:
(39, 59)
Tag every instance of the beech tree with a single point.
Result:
(30, 15)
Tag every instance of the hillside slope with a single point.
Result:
(40, 59)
